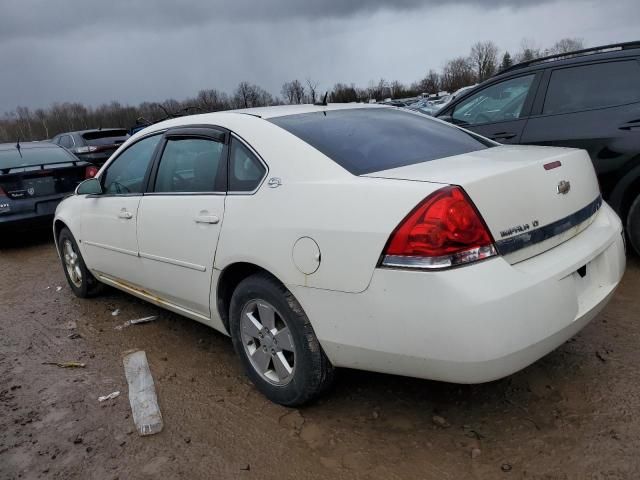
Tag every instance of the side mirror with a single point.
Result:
(90, 186)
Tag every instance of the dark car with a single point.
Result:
(94, 146)
(34, 177)
(588, 99)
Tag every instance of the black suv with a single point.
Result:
(93, 146)
(588, 99)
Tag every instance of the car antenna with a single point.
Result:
(18, 147)
(323, 103)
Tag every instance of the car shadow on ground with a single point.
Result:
(26, 238)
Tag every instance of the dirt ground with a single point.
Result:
(573, 414)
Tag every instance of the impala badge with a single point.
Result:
(563, 187)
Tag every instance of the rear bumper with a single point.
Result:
(26, 213)
(475, 323)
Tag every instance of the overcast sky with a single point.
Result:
(95, 51)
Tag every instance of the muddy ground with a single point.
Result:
(573, 414)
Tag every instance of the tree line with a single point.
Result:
(483, 61)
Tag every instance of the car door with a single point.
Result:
(108, 226)
(498, 111)
(180, 216)
(593, 106)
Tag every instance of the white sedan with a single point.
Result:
(349, 236)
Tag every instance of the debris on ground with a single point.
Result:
(475, 452)
(142, 394)
(66, 364)
(506, 467)
(136, 321)
(600, 356)
(247, 468)
(440, 421)
(109, 397)
(73, 336)
(115, 313)
(58, 288)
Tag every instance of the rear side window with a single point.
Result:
(191, 165)
(366, 140)
(593, 86)
(105, 137)
(66, 141)
(245, 170)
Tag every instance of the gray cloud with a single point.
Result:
(41, 18)
(98, 51)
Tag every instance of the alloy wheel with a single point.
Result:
(72, 263)
(267, 342)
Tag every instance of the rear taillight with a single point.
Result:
(90, 171)
(444, 230)
(85, 149)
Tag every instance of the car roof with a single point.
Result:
(284, 110)
(27, 145)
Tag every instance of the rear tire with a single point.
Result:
(80, 280)
(276, 344)
(633, 225)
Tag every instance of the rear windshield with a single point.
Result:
(366, 140)
(30, 157)
(105, 137)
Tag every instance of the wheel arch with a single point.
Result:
(625, 192)
(58, 225)
(228, 280)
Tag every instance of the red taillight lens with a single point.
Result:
(90, 171)
(444, 230)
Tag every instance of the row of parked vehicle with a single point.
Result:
(36, 176)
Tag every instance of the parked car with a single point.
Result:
(351, 235)
(34, 177)
(588, 99)
(94, 146)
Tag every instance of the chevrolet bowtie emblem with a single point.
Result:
(564, 187)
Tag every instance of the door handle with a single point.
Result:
(207, 219)
(124, 214)
(503, 136)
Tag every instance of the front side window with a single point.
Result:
(126, 173)
(498, 103)
(245, 170)
(587, 87)
(191, 165)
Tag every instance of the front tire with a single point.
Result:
(277, 346)
(82, 282)
(633, 225)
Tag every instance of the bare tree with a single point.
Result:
(566, 45)
(457, 73)
(430, 83)
(484, 56)
(528, 51)
(343, 93)
(312, 88)
(293, 92)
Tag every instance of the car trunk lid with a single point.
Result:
(531, 198)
